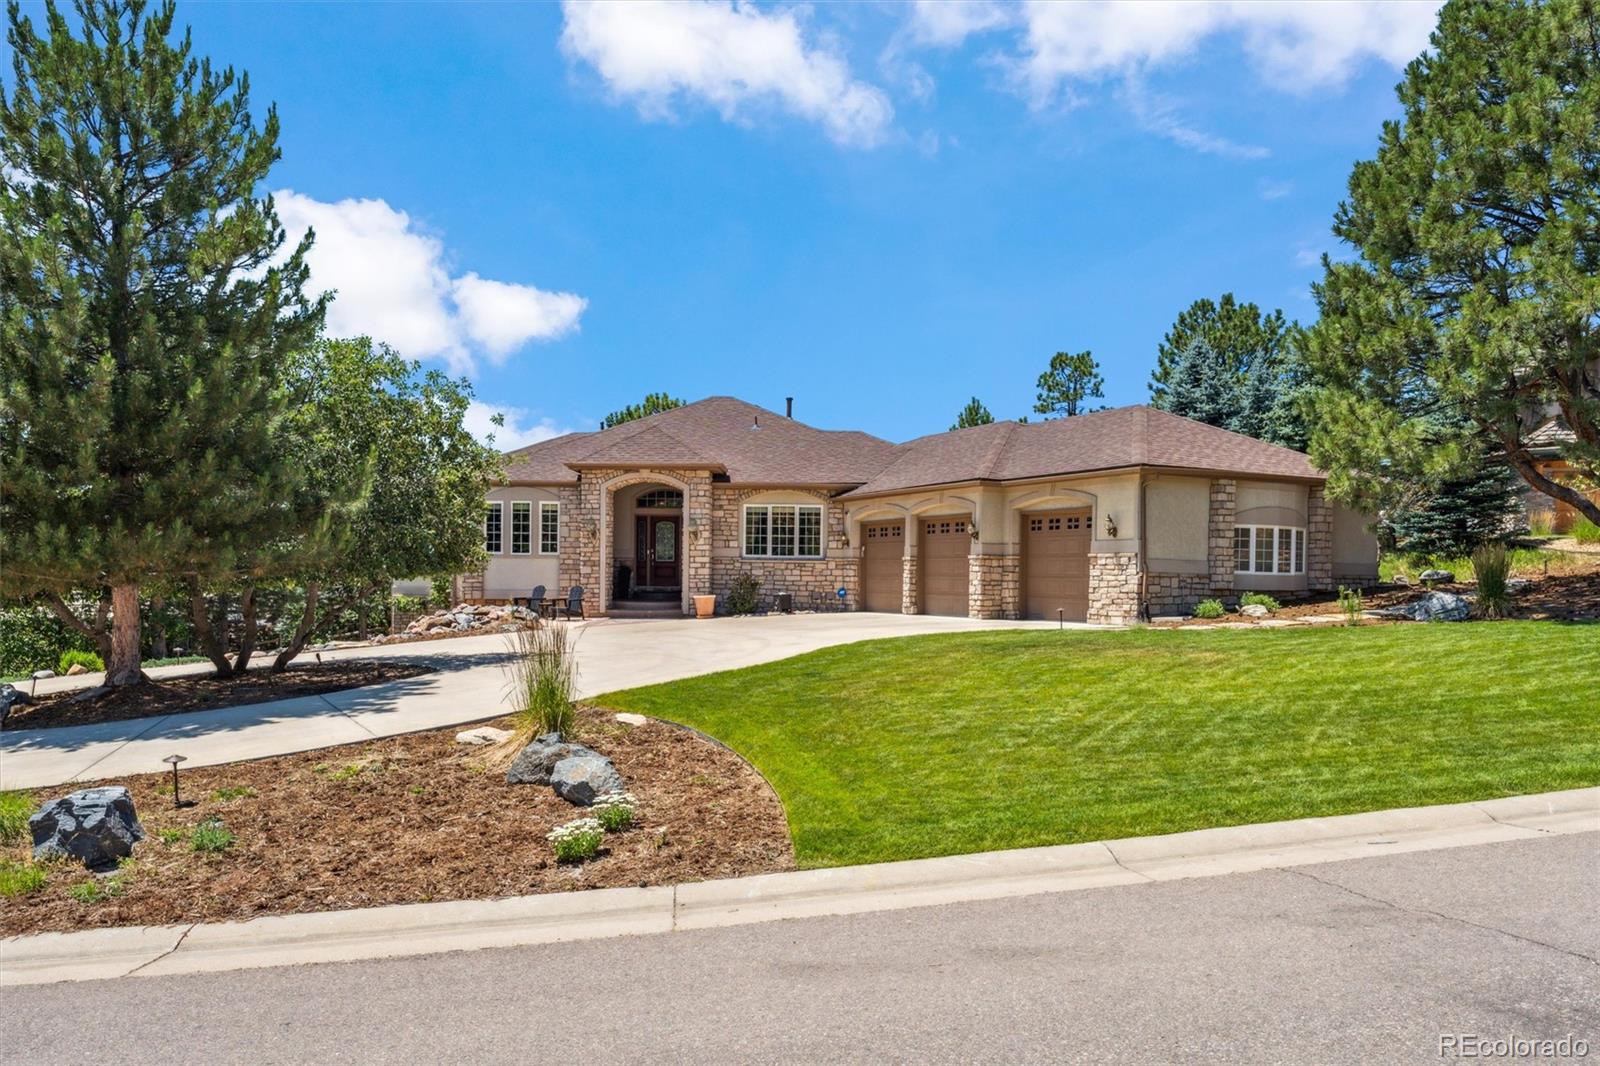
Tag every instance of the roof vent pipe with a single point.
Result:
(788, 407)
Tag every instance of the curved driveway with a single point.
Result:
(469, 686)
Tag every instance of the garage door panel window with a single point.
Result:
(1269, 550)
(783, 531)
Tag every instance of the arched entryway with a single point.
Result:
(645, 555)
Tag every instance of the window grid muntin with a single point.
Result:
(549, 528)
(783, 531)
(521, 528)
(1269, 550)
(492, 528)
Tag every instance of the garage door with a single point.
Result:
(942, 582)
(883, 548)
(1055, 565)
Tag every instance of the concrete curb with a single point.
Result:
(426, 928)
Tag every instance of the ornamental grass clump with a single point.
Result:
(542, 676)
(577, 841)
(1492, 566)
(1351, 603)
(615, 811)
(15, 810)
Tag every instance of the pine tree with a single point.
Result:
(145, 318)
(1070, 382)
(653, 404)
(974, 414)
(1458, 515)
(1239, 333)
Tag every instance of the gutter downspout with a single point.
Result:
(1144, 554)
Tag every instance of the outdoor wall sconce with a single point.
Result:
(973, 527)
(1111, 527)
(590, 526)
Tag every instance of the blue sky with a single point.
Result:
(878, 209)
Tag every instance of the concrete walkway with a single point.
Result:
(469, 686)
(427, 928)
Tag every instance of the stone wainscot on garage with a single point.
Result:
(1105, 517)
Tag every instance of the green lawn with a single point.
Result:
(966, 742)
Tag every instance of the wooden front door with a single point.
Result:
(657, 539)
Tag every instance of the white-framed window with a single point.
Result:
(1269, 550)
(549, 527)
(783, 530)
(521, 528)
(491, 528)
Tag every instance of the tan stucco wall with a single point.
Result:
(1271, 503)
(1355, 547)
(1177, 510)
(510, 575)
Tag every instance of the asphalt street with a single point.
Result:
(1371, 960)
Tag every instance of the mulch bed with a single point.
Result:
(1570, 592)
(177, 695)
(412, 819)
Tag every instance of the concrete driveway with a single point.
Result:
(469, 686)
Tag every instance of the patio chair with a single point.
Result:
(574, 604)
(535, 600)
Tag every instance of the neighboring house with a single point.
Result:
(1545, 444)
(1102, 517)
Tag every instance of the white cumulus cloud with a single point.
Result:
(520, 429)
(734, 57)
(1294, 45)
(392, 282)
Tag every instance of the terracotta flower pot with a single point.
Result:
(705, 606)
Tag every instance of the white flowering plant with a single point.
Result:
(615, 811)
(576, 841)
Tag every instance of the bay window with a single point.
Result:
(1269, 550)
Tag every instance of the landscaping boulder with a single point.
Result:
(1434, 607)
(11, 696)
(483, 734)
(628, 718)
(1254, 610)
(535, 763)
(76, 669)
(582, 779)
(1432, 576)
(96, 825)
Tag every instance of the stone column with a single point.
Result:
(1224, 504)
(697, 543)
(1113, 587)
(581, 544)
(908, 570)
(1319, 540)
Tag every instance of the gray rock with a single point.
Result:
(1428, 576)
(483, 734)
(1433, 607)
(96, 825)
(582, 779)
(534, 763)
(627, 718)
(1254, 610)
(1517, 584)
(11, 696)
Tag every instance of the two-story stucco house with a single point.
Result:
(1104, 517)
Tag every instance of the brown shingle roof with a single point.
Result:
(1105, 440)
(759, 447)
(755, 446)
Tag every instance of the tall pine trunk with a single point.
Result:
(122, 668)
(205, 633)
(297, 642)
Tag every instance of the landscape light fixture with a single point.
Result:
(173, 761)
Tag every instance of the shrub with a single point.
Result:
(542, 676)
(230, 793)
(32, 638)
(744, 595)
(1585, 531)
(1351, 603)
(87, 659)
(577, 841)
(1209, 609)
(211, 835)
(1492, 566)
(1259, 599)
(170, 836)
(19, 878)
(615, 811)
(15, 809)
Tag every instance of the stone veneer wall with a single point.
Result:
(814, 583)
(1113, 587)
(586, 540)
(1219, 533)
(1319, 538)
(908, 586)
(1175, 593)
(994, 586)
